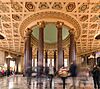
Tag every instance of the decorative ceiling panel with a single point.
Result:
(43, 5)
(86, 13)
(30, 6)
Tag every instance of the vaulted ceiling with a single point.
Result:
(86, 12)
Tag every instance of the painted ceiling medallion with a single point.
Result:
(30, 6)
(83, 7)
(84, 18)
(57, 5)
(70, 7)
(43, 5)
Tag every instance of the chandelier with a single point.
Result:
(9, 56)
(91, 56)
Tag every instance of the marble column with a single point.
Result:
(59, 44)
(17, 62)
(8, 63)
(46, 57)
(85, 59)
(63, 57)
(72, 47)
(27, 51)
(55, 60)
(37, 58)
(41, 43)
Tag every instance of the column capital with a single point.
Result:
(59, 24)
(72, 31)
(41, 24)
(28, 32)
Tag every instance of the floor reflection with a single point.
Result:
(20, 82)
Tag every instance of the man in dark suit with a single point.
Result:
(96, 76)
(28, 75)
(73, 72)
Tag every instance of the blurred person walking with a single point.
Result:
(73, 73)
(96, 76)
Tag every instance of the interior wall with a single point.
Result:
(2, 57)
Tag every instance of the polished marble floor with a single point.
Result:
(20, 82)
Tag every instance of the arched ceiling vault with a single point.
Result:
(84, 12)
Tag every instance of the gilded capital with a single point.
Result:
(28, 32)
(41, 24)
(59, 24)
(72, 31)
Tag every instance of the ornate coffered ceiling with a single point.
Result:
(85, 12)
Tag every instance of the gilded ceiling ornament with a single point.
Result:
(84, 25)
(84, 18)
(57, 5)
(5, 18)
(16, 25)
(94, 18)
(17, 7)
(95, 8)
(83, 7)
(43, 5)
(16, 17)
(30, 6)
(7, 25)
(4, 8)
(93, 26)
(70, 6)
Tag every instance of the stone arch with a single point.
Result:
(50, 16)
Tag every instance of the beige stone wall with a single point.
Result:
(2, 57)
(21, 64)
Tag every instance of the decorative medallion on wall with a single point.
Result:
(43, 5)
(70, 6)
(30, 6)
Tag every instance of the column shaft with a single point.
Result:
(72, 48)
(41, 44)
(27, 51)
(41, 47)
(8, 63)
(46, 58)
(59, 44)
(55, 60)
